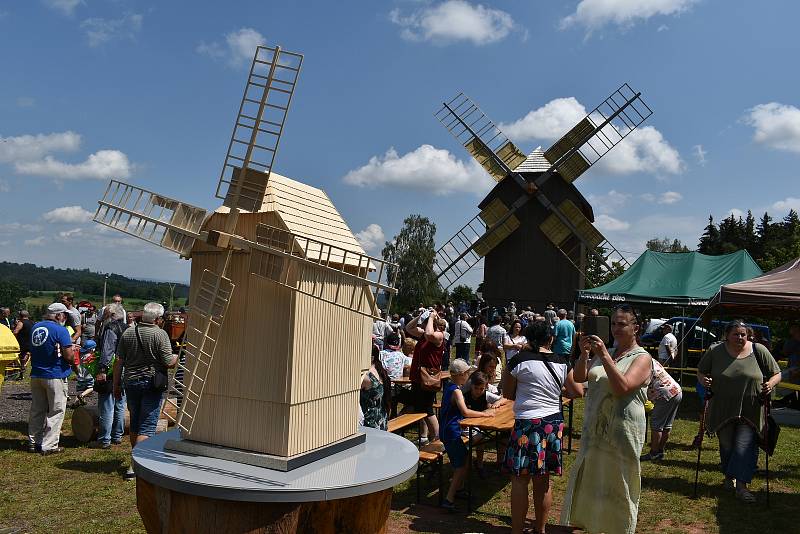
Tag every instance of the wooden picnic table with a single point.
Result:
(407, 379)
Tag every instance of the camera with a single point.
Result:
(424, 316)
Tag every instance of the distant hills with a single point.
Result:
(35, 278)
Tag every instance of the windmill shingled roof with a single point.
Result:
(535, 162)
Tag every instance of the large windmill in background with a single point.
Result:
(274, 270)
(539, 251)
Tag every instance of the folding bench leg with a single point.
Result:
(441, 476)
(419, 466)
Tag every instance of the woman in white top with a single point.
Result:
(514, 340)
(535, 380)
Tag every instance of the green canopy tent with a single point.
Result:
(685, 279)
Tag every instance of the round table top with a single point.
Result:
(381, 462)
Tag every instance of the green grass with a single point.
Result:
(82, 490)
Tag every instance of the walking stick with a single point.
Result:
(698, 439)
(767, 402)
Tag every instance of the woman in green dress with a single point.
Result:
(605, 481)
(740, 373)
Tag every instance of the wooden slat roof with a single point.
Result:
(535, 162)
(308, 211)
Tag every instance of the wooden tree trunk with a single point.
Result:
(164, 510)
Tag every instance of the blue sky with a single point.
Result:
(147, 92)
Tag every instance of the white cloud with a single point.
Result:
(30, 147)
(35, 242)
(648, 197)
(68, 214)
(239, 49)
(643, 150)
(5, 187)
(67, 7)
(776, 125)
(700, 155)
(69, 234)
(662, 28)
(452, 21)
(25, 102)
(594, 14)
(427, 168)
(788, 203)
(100, 31)
(14, 227)
(101, 165)
(550, 121)
(606, 223)
(610, 202)
(371, 237)
(670, 197)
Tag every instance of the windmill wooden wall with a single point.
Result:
(286, 373)
(526, 267)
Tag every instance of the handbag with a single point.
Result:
(768, 437)
(430, 378)
(160, 378)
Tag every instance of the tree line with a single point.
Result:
(27, 278)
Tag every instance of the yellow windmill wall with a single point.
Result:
(286, 371)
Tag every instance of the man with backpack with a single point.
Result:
(111, 410)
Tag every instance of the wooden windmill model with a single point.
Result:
(493, 233)
(281, 295)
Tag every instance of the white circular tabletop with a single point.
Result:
(381, 462)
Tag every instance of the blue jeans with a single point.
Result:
(144, 404)
(112, 417)
(462, 351)
(738, 450)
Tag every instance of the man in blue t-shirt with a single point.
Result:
(51, 356)
(564, 333)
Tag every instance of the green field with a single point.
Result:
(46, 297)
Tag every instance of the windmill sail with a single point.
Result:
(155, 218)
(305, 265)
(206, 317)
(480, 136)
(258, 128)
(572, 155)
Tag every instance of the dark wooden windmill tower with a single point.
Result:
(523, 267)
(535, 252)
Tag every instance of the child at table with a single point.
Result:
(453, 410)
(478, 397)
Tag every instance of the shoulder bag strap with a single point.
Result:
(149, 352)
(555, 377)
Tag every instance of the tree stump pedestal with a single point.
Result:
(350, 491)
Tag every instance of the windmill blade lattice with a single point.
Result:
(258, 128)
(304, 264)
(594, 136)
(480, 136)
(206, 317)
(155, 218)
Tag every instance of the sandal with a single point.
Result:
(729, 484)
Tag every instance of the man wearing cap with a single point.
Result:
(111, 411)
(51, 356)
(73, 317)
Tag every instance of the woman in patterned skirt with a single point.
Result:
(535, 378)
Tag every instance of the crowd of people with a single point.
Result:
(533, 360)
(122, 361)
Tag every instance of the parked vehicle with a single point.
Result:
(697, 337)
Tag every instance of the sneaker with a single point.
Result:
(744, 495)
(48, 452)
(424, 441)
(116, 441)
(651, 457)
(129, 474)
(729, 484)
(34, 447)
(99, 445)
(449, 506)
